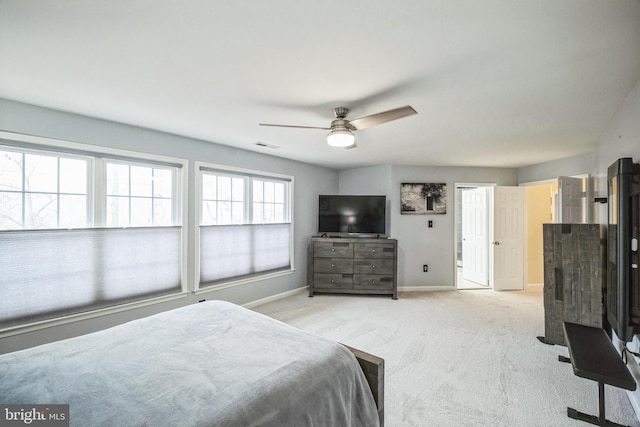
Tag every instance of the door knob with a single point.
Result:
(496, 243)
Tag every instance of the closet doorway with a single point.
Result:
(472, 236)
(490, 237)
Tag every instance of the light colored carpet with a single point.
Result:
(458, 358)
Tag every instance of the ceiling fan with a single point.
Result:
(341, 130)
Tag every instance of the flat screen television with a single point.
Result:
(623, 286)
(352, 215)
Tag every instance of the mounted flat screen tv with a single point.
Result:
(623, 259)
(342, 215)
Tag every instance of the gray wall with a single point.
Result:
(622, 139)
(418, 244)
(570, 166)
(309, 181)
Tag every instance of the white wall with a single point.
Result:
(309, 181)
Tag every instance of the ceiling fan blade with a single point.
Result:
(294, 126)
(379, 118)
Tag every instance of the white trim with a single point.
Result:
(552, 180)
(48, 142)
(425, 288)
(540, 182)
(199, 167)
(240, 282)
(182, 193)
(238, 170)
(457, 185)
(43, 324)
(181, 185)
(276, 297)
(291, 216)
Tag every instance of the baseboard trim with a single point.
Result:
(303, 289)
(275, 297)
(425, 288)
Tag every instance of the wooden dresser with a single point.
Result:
(353, 266)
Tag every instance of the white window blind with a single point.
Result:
(57, 256)
(52, 273)
(245, 226)
(236, 251)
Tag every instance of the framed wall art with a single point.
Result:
(422, 199)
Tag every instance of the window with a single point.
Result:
(268, 200)
(81, 231)
(138, 195)
(42, 190)
(222, 199)
(245, 226)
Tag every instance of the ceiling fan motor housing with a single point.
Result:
(340, 112)
(341, 124)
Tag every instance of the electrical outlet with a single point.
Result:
(430, 224)
(425, 268)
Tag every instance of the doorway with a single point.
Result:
(560, 199)
(490, 237)
(472, 236)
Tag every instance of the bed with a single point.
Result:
(207, 364)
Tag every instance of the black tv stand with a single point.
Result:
(594, 357)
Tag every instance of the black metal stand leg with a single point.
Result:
(602, 416)
(601, 419)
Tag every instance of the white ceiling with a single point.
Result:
(495, 82)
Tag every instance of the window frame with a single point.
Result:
(97, 190)
(242, 172)
(50, 152)
(101, 188)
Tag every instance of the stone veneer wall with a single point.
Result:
(574, 274)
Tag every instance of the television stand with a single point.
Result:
(594, 357)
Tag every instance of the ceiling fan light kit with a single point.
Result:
(342, 138)
(341, 130)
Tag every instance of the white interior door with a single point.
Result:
(475, 235)
(572, 197)
(508, 245)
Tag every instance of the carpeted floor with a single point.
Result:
(458, 358)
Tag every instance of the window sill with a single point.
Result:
(21, 329)
(243, 281)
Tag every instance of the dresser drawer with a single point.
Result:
(373, 266)
(371, 283)
(332, 281)
(333, 265)
(332, 250)
(377, 250)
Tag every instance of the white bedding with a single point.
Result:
(207, 364)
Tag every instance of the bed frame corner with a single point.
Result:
(373, 368)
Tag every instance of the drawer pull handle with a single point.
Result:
(373, 250)
(333, 265)
(333, 281)
(373, 266)
(373, 282)
(333, 250)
